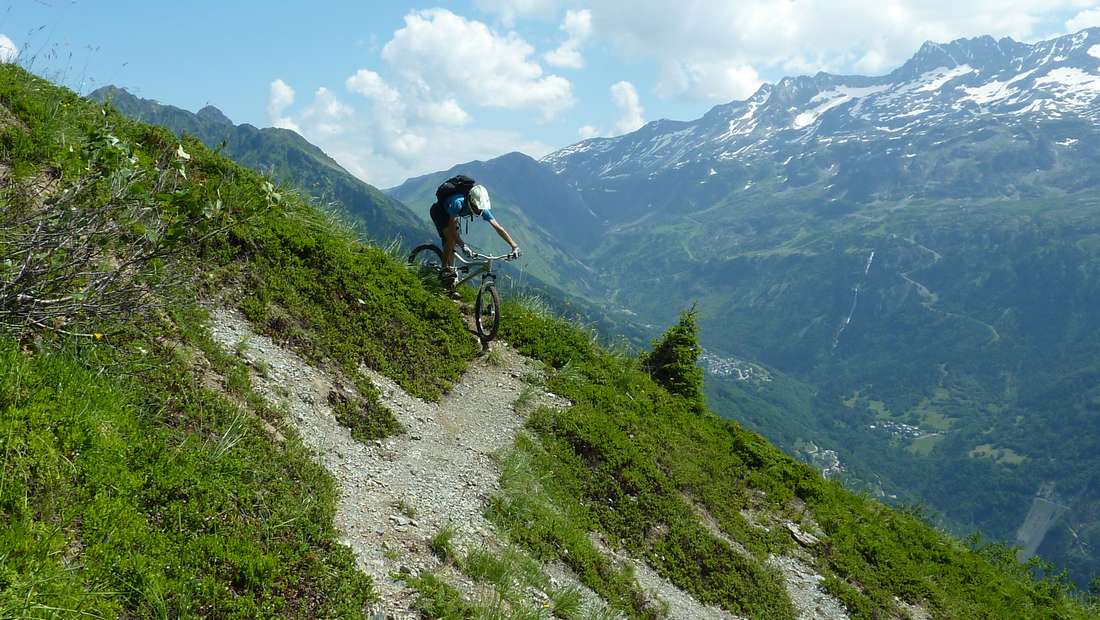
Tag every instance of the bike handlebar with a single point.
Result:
(505, 257)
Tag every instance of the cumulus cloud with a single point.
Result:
(410, 116)
(577, 25)
(442, 55)
(1089, 18)
(327, 115)
(713, 51)
(281, 98)
(707, 80)
(371, 85)
(446, 112)
(588, 131)
(625, 97)
(510, 10)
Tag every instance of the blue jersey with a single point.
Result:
(456, 207)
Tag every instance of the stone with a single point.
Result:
(803, 538)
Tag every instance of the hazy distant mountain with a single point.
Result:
(915, 258)
(282, 153)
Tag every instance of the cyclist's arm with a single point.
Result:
(503, 234)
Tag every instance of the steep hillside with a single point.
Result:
(281, 153)
(235, 381)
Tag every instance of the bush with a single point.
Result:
(673, 362)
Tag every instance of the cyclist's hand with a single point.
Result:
(466, 251)
(515, 253)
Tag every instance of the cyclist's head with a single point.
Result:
(479, 199)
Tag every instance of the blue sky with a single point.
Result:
(393, 90)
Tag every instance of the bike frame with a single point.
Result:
(480, 265)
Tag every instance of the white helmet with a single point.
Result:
(479, 199)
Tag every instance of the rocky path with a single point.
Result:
(397, 493)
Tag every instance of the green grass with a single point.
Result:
(365, 417)
(441, 544)
(624, 457)
(152, 497)
(438, 599)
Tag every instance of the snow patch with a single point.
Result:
(1094, 51)
(938, 78)
(1072, 83)
(712, 172)
(1067, 142)
(803, 120)
(988, 93)
(831, 99)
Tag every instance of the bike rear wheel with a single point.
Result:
(427, 255)
(487, 312)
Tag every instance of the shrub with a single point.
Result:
(673, 362)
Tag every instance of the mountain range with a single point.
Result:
(911, 261)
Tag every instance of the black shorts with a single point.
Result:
(440, 218)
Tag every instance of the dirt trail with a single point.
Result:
(397, 493)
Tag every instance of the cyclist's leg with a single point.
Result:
(450, 239)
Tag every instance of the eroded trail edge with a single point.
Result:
(395, 494)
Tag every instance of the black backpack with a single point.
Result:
(458, 184)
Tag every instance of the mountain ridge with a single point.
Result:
(285, 154)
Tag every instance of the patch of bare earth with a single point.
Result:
(396, 494)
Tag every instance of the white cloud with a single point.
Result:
(510, 10)
(446, 112)
(372, 86)
(327, 115)
(710, 50)
(8, 50)
(577, 25)
(281, 98)
(588, 131)
(440, 55)
(1089, 18)
(625, 97)
(410, 117)
(707, 80)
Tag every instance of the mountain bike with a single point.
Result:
(428, 257)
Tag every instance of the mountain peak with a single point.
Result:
(213, 115)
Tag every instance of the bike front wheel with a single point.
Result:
(487, 312)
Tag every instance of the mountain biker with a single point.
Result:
(445, 214)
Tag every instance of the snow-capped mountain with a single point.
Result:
(1026, 104)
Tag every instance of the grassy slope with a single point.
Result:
(627, 458)
(137, 479)
(284, 154)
